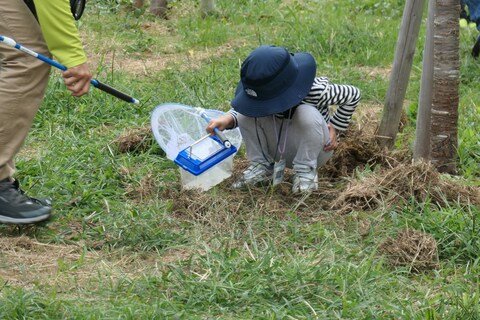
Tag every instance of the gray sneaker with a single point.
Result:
(17, 208)
(305, 179)
(256, 173)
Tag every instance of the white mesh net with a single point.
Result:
(176, 126)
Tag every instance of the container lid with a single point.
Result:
(203, 154)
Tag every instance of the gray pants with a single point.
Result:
(299, 140)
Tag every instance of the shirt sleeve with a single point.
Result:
(60, 32)
(320, 84)
(233, 113)
(345, 97)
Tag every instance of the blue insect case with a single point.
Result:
(203, 154)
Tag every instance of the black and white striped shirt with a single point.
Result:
(323, 95)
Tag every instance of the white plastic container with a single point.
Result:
(177, 127)
(209, 178)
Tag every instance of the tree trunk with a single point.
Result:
(159, 8)
(207, 7)
(422, 129)
(446, 77)
(404, 52)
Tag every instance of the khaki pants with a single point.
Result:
(23, 80)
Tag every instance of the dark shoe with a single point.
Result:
(476, 48)
(17, 208)
(47, 202)
(464, 15)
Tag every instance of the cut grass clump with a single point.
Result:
(357, 147)
(134, 140)
(388, 187)
(412, 249)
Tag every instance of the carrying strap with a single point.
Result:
(31, 6)
(76, 7)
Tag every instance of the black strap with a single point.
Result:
(31, 6)
(76, 6)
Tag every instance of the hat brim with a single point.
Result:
(251, 107)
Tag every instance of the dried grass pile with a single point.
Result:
(355, 150)
(413, 249)
(396, 185)
(357, 147)
(134, 140)
(397, 180)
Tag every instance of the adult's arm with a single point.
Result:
(60, 32)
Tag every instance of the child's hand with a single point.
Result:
(332, 144)
(221, 123)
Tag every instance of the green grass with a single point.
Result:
(118, 253)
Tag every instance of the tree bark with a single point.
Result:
(446, 78)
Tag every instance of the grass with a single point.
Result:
(127, 243)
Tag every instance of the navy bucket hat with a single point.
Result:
(273, 81)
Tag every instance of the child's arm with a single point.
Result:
(346, 98)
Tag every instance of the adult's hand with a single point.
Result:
(77, 79)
